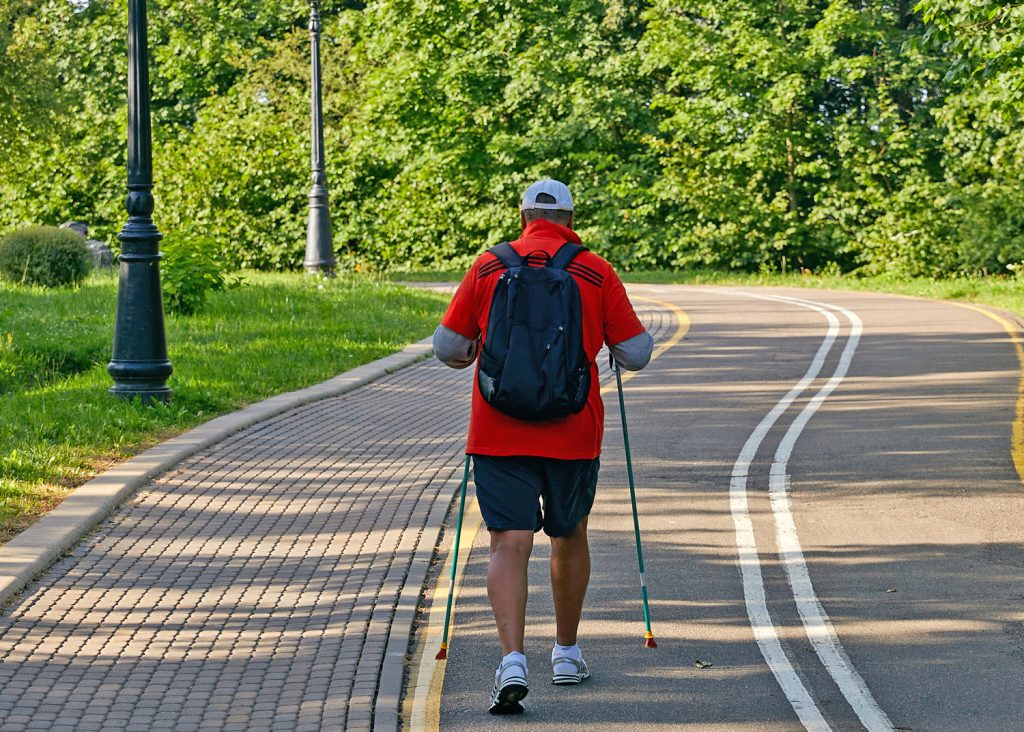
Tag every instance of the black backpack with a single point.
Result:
(533, 365)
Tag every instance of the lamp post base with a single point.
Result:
(319, 240)
(147, 396)
(146, 379)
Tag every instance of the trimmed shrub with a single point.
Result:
(44, 255)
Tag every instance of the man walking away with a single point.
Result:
(534, 474)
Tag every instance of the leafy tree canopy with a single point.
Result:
(733, 134)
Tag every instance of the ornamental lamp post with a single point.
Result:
(319, 243)
(139, 363)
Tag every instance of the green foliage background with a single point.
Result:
(871, 136)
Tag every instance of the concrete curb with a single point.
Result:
(387, 709)
(32, 551)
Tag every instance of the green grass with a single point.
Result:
(1001, 292)
(58, 425)
(425, 276)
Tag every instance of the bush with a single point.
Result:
(44, 255)
(189, 270)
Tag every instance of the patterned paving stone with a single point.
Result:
(253, 587)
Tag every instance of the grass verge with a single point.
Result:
(1006, 293)
(58, 425)
(1001, 292)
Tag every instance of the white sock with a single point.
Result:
(572, 651)
(514, 656)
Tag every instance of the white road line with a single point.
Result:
(817, 625)
(750, 564)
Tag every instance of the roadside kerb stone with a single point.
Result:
(31, 552)
(387, 708)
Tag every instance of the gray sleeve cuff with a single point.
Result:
(633, 353)
(453, 349)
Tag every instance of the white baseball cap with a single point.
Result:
(553, 188)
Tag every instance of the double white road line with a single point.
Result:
(815, 620)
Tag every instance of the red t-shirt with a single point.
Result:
(608, 317)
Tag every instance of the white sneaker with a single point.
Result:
(567, 670)
(510, 686)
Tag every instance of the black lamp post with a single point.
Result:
(319, 243)
(139, 364)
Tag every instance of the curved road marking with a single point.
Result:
(817, 626)
(428, 676)
(746, 545)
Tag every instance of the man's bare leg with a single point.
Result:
(507, 585)
(570, 575)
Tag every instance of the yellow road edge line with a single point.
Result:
(1017, 435)
(423, 703)
(682, 328)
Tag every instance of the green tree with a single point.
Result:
(199, 51)
(789, 127)
(76, 168)
(464, 102)
(730, 134)
(983, 121)
(27, 102)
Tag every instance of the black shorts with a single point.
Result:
(510, 491)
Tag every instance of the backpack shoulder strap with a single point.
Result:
(507, 255)
(565, 254)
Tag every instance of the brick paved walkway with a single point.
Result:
(251, 589)
(255, 587)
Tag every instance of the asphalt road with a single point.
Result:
(861, 482)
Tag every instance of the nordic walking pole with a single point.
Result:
(648, 635)
(443, 653)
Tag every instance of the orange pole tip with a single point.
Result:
(649, 640)
(443, 653)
